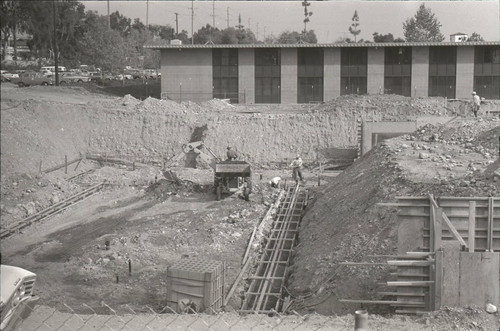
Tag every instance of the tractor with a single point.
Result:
(231, 176)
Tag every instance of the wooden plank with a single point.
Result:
(489, 240)
(411, 263)
(423, 283)
(404, 311)
(451, 274)
(435, 300)
(363, 263)
(402, 294)
(380, 302)
(479, 278)
(438, 231)
(472, 226)
(432, 225)
(453, 230)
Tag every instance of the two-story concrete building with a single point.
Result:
(302, 73)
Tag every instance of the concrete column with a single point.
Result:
(420, 72)
(246, 75)
(465, 72)
(331, 79)
(289, 78)
(375, 70)
(186, 74)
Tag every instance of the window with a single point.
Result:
(397, 71)
(225, 74)
(487, 71)
(353, 70)
(310, 75)
(267, 75)
(442, 71)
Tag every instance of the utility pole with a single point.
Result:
(257, 31)
(56, 62)
(147, 13)
(227, 19)
(109, 20)
(192, 20)
(176, 23)
(264, 33)
(248, 24)
(213, 14)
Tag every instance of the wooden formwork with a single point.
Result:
(448, 254)
(473, 221)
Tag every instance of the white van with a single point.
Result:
(52, 69)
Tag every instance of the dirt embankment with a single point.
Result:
(343, 223)
(46, 130)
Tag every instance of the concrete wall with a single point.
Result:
(465, 72)
(191, 68)
(419, 72)
(289, 80)
(246, 75)
(331, 78)
(391, 129)
(375, 79)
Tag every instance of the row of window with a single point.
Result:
(353, 80)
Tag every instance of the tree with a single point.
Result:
(385, 38)
(353, 29)
(475, 37)
(294, 37)
(9, 24)
(424, 26)
(120, 23)
(104, 47)
(38, 20)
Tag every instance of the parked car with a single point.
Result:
(16, 298)
(32, 78)
(124, 76)
(152, 73)
(73, 77)
(7, 76)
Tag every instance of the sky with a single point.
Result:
(330, 19)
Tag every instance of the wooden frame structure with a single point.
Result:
(448, 254)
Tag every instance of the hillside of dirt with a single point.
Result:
(154, 221)
(343, 222)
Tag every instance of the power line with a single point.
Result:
(192, 22)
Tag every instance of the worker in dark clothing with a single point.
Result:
(231, 154)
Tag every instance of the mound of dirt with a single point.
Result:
(343, 223)
(385, 107)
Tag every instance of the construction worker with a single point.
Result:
(231, 154)
(476, 103)
(275, 182)
(296, 165)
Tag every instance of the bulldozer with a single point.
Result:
(229, 176)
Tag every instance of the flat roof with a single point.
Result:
(334, 45)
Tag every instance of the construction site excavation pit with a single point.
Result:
(114, 247)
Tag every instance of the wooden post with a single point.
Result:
(438, 228)
(438, 273)
(432, 224)
(66, 164)
(472, 226)
(489, 245)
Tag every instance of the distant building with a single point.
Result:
(23, 50)
(458, 37)
(305, 73)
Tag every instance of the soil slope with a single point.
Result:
(343, 223)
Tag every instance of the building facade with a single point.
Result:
(308, 73)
